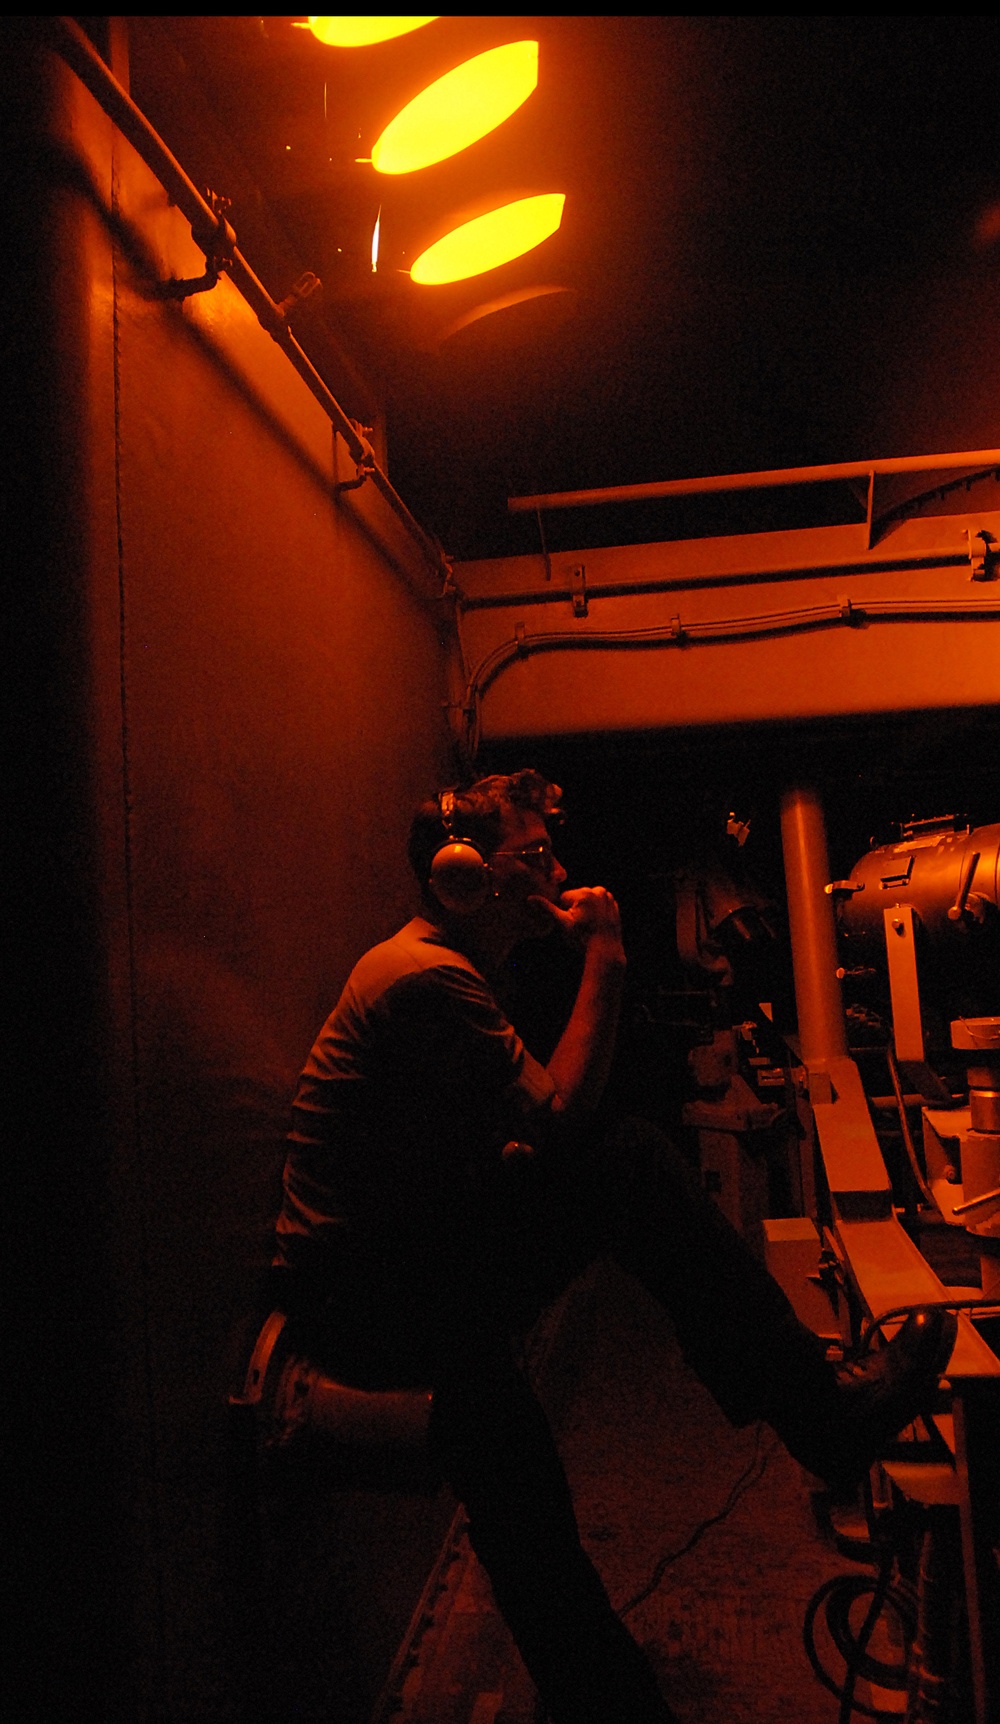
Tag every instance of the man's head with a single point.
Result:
(503, 819)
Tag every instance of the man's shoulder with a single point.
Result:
(417, 953)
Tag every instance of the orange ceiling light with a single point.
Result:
(458, 109)
(358, 32)
(490, 240)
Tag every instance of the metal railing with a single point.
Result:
(982, 460)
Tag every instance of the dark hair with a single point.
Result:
(477, 814)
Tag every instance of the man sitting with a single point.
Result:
(442, 1185)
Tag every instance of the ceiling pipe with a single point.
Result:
(209, 231)
(985, 459)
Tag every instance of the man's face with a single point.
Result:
(524, 867)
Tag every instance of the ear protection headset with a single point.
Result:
(460, 876)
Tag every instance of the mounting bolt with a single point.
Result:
(578, 584)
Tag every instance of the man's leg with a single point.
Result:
(735, 1325)
(499, 1457)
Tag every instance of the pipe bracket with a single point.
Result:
(218, 241)
(984, 559)
(364, 462)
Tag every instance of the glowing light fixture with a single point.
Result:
(358, 32)
(490, 240)
(458, 109)
(375, 239)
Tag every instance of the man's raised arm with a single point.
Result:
(580, 1064)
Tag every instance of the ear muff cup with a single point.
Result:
(460, 877)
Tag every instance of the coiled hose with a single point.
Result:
(835, 1598)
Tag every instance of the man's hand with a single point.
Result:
(586, 914)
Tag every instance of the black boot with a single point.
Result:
(838, 1433)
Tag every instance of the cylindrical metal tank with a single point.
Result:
(950, 878)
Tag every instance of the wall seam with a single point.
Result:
(152, 1446)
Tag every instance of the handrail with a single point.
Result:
(208, 229)
(983, 459)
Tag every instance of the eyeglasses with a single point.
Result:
(540, 856)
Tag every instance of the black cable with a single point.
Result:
(879, 1592)
(751, 1474)
(836, 1596)
(920, 1178)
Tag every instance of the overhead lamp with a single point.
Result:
(458, 109)
(490, 240)
(358, 32)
